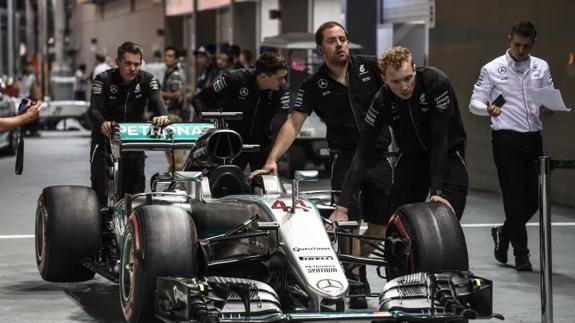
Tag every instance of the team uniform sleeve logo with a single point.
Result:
(97, 87)
(442, 101)
(299, 98)
(322, 83)
(371, 115)
(154, 85)
(220, 84)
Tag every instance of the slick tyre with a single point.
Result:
(159, 241)
(68, 230)
(437, 240)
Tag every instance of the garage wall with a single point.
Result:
(470, 33)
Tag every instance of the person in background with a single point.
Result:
(516, 135)
(100, 66)
(172, 90)
(31, 114)
(80, 83)
(260, 93)
(235, 51)
(224, 63)
(246, 59)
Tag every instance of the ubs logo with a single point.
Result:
(322, 83)
(244, 91)
(329, 285)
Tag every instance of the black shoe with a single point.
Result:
(356, 287)
(363, 279)
(501, 244)
(522, 263)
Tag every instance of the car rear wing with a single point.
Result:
(146, 136)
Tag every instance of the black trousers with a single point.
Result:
(515, 156)
(411, 181)
(132, 167)
(371, 201)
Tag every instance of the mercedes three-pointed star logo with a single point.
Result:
(322, 83)
(244, 91)
(329, 284)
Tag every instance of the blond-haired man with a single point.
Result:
(420, 106)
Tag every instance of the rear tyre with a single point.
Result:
(437, 240)
(68, 230)
(159, 241)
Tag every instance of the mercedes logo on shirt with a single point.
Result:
(329, 284)
(244, 91)
(322, 83)
(502, 70)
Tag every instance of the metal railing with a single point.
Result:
(546, 165)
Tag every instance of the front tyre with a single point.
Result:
(68, 230)
(437, 240)
(159, 241)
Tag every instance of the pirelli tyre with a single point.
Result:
(68, 231)
(436, 240)
(159, 240)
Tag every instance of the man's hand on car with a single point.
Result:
(439, 199)
(338, 215)
(107, 127)
(161, 121)
(271, 167)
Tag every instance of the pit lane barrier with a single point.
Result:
(546, 165)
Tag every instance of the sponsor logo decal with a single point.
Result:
(322, 83)
(313, 258)
(321, 269)
(502, 70)
(298, 249)
(114, 88)
(422, 99)
(97, 87)
(137, 88)
(329, 284)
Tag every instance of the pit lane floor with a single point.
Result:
(62, 158)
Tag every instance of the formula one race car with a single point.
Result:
(208, 245)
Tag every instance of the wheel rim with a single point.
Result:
(127, 270)
(39, 234)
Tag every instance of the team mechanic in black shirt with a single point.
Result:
(421, 108)
(121, 95)
(340, 93)
(260, 93)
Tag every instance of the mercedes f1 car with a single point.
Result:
(209, 245)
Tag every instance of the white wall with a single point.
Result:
(324, 10)
(268, 27)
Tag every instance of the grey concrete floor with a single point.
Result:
(62, 158)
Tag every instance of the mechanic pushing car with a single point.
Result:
(340, 93)
(421, 108)
(260, 93)
(120, 95)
